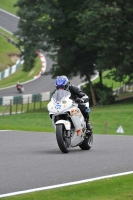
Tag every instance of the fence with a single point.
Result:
(25, 103)
(122, 89)
(32, 102)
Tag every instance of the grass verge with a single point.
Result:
(8, 6)
(105, 119)
(5, 50)
(21, 76)
(109, 82)
(119, 188)
(5, 60)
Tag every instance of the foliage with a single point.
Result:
(55, 23)
(103, 95)
(79, 36)
(97, 31)
(107, 26)
(86, 90)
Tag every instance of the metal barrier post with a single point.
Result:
(10, 106)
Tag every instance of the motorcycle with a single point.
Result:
(68, 121)
(20, 88)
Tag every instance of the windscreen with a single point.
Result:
(60, 94)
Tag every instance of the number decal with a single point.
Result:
(58, 106)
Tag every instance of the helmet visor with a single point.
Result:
(61, 87)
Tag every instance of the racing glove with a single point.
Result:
(79, 100)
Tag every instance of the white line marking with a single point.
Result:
(9, 13)
(64, 184)
(6, 30)
(92, 79)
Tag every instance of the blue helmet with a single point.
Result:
(62, 82)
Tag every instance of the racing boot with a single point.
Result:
(89, 128)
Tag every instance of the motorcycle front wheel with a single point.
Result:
(63, 140)
(87, 143)
(22, 89)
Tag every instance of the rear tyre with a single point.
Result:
(87, 143)
(63, 140)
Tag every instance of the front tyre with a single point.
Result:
(22, 90)
(63, 140)
(87, 143)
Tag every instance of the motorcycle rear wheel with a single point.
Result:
(87, 143)
(64, 142)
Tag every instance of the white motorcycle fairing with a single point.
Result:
(66, 124)
(67, 120)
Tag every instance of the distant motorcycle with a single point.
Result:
(20, 88)
(68, 122)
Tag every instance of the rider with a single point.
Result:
(18, 84)
(78, 96)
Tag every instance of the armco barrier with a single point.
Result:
(11, 70)
(24, 99)
(15, 67)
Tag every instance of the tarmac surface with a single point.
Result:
(32, 159)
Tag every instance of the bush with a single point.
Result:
(104, 96)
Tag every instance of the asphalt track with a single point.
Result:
(31, 160)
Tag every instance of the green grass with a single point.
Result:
(28, 122)
(9, 35)
(8, 6)
(21, 76)
(109, 82)
(35, 106)
(34, 121)
(118, 188)
(5, 49)
(105, 119)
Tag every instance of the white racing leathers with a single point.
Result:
(68, 121)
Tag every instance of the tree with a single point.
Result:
(80, 36)
(106, 26)
(55, 23)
